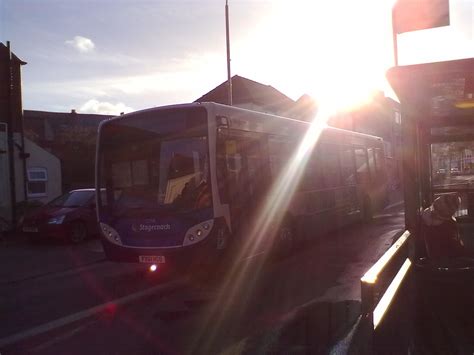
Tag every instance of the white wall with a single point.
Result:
(39, 158)
(5, 201)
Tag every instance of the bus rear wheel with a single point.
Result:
(285, 239)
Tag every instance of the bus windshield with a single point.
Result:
(147, 165)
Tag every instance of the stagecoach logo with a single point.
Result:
(150, 227)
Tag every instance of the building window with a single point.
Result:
(398, 117)
(388, 149)
(37, 179)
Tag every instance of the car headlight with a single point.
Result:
(57, 220)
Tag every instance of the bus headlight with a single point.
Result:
(198, 232)
(110, 234)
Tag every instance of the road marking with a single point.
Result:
(388, 215)
(61, 322)
(62, 337)
(394, 204)
(59, 273)
(253, 256)
(343, 346)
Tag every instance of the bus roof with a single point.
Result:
(220, 109)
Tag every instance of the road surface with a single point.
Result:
(104, 308)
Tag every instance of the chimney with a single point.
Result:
(73, 111)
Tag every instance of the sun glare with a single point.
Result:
(340, 64)
(349, 53)
(335, 51)
(242, 276)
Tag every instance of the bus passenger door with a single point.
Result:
(348, 175)
(362, 175)
(244, 171)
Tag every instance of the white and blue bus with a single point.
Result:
(185, 182)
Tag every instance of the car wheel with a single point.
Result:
(78, 232)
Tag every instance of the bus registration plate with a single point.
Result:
(152, 259)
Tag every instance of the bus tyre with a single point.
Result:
(78, 232)
(286, 239)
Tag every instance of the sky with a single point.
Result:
(112, 56)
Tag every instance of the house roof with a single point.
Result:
(4, 55)
(305, 108)
(245, 91)
(60, 118)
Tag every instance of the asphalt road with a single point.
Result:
(99, 307)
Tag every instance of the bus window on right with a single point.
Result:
(452, 165)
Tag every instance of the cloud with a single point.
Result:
(82, 44)
(181, 80)
(106, 108)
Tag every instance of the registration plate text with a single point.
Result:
(152, 259)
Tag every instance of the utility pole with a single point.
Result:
(394, 41)
(229, 78)
(11, 145)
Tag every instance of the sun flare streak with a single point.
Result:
(240, 280)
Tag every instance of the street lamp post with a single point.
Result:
(229, 78)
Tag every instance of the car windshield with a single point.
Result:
(73, 199)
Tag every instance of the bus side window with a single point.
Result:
(362, 165)
(348, 169)
(234, 163)
(312, 178)
(330, 159)
(380, 159)
(257, 165)
(372, 163)
(242, 165)
(280, 150)
(223, 177)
